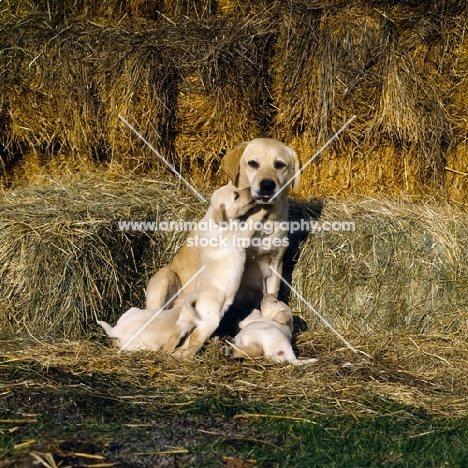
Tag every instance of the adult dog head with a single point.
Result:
(265, 165)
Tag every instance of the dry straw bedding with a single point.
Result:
(395, 288)
(419, 371)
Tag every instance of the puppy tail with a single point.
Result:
(249, 351)
(107, 328)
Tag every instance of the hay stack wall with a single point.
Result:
(198, 77)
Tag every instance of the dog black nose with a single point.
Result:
(267, 187)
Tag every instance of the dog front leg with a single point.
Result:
(272, 281)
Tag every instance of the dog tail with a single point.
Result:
(107, 328)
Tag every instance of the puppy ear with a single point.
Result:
(297, 167)
(282, 317)
(219, 213)
(231, 162)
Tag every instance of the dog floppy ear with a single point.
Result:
(297, 168)
(282, 317)
(231, 162)
(219, 213)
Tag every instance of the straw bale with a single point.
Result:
(72, 109)
(223, 93)
(112, 11)
(341, 60)
(198, 77)
(395, 288)
(403, 269)
(64, 260)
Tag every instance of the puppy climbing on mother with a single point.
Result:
(222, 252)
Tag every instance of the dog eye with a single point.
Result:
(279, 165)
(236, 195)
(253, 164)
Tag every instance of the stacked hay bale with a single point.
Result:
(198, 77)
(223, 96)
(64, 259)
(384, 66)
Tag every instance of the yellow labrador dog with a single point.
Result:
(139, 329)
(267, 333)
(222, 253)
(269, 168)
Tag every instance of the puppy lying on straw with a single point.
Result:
(267, 333)
(139, 329)
(222, 254)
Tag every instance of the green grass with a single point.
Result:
(73, 419)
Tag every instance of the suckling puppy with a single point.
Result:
(267, 332)
(139, 329)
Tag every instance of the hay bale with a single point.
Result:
(403, 270)
(334, 61)
(111, 11)
(72, 109)
(190, 89)
(223, 96)
(64, 260)
(199, 77)
(456, 98)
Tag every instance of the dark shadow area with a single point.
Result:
(303, 213)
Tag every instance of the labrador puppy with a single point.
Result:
(222, 253)
(267, 332)
(139, 329)
(269, 168)
(227, 203)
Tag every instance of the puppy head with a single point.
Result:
(266, 166)
(276, 310)
(230, 202)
